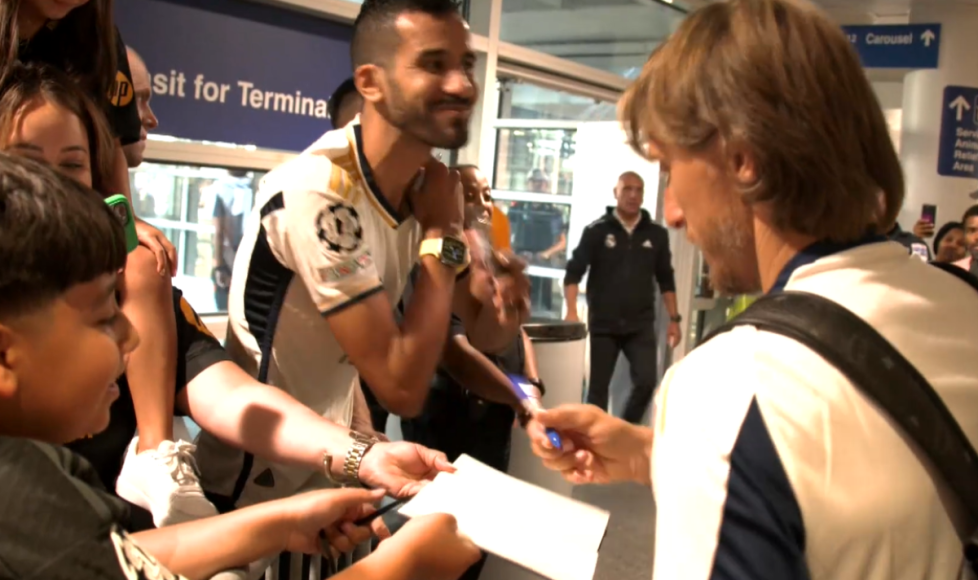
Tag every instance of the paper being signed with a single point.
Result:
(547, 533)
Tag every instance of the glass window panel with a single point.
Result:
(535, 160)
(188, 203)
(522, 100)
(538, 231)
(546, 298)
(463, 6)
(612, 35)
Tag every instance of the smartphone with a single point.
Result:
(929, 213)
(121, 208)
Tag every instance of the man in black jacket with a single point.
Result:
(627, 253)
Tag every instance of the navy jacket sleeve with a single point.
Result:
(580, 260)
(664, 274)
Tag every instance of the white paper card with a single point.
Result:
(552, 535)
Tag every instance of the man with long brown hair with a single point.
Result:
(766, 462)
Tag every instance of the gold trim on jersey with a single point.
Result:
(350, 162)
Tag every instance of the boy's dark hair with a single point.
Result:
(346, 88)
(54, 233)
(969, 213)
(24, 85)
(374, 39)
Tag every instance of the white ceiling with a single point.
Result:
(617, 35)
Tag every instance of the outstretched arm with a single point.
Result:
(493, 300)
(303, 523)
(231, 405)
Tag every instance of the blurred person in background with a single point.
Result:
(232, 195)
(345, 104)
(949, 243)
(628, 256)
(970, 260)
(143, 200)
(143, 94)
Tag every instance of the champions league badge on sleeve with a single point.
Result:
(338, 228)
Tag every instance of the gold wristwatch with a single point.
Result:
(451, 251)
(350, 477)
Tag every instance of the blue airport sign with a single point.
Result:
(238, 72)
(958, 154)
(910, 46)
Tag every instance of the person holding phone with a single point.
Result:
(80, 37)
(45, 116)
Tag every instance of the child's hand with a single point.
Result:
(432, 547)
(321, 520)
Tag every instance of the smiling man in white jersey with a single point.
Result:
(334, 236)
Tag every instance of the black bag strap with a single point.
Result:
(958, 272)
(867, 359)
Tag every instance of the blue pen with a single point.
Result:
(523, 389)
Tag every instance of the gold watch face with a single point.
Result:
(454, 252)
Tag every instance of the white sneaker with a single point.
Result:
(164, 481)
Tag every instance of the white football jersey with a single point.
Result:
(320, 238)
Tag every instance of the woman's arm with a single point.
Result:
(530, 357)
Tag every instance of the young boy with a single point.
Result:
(63, 344)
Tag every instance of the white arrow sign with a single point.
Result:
(928, 37)
(962, 105)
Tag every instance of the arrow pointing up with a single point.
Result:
(962, 105)
(928, 37)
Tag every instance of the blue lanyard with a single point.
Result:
(815, 252)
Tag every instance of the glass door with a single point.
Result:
(189, 203)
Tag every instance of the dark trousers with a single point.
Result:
(639, 349)
(455, 422)
(221, 298)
